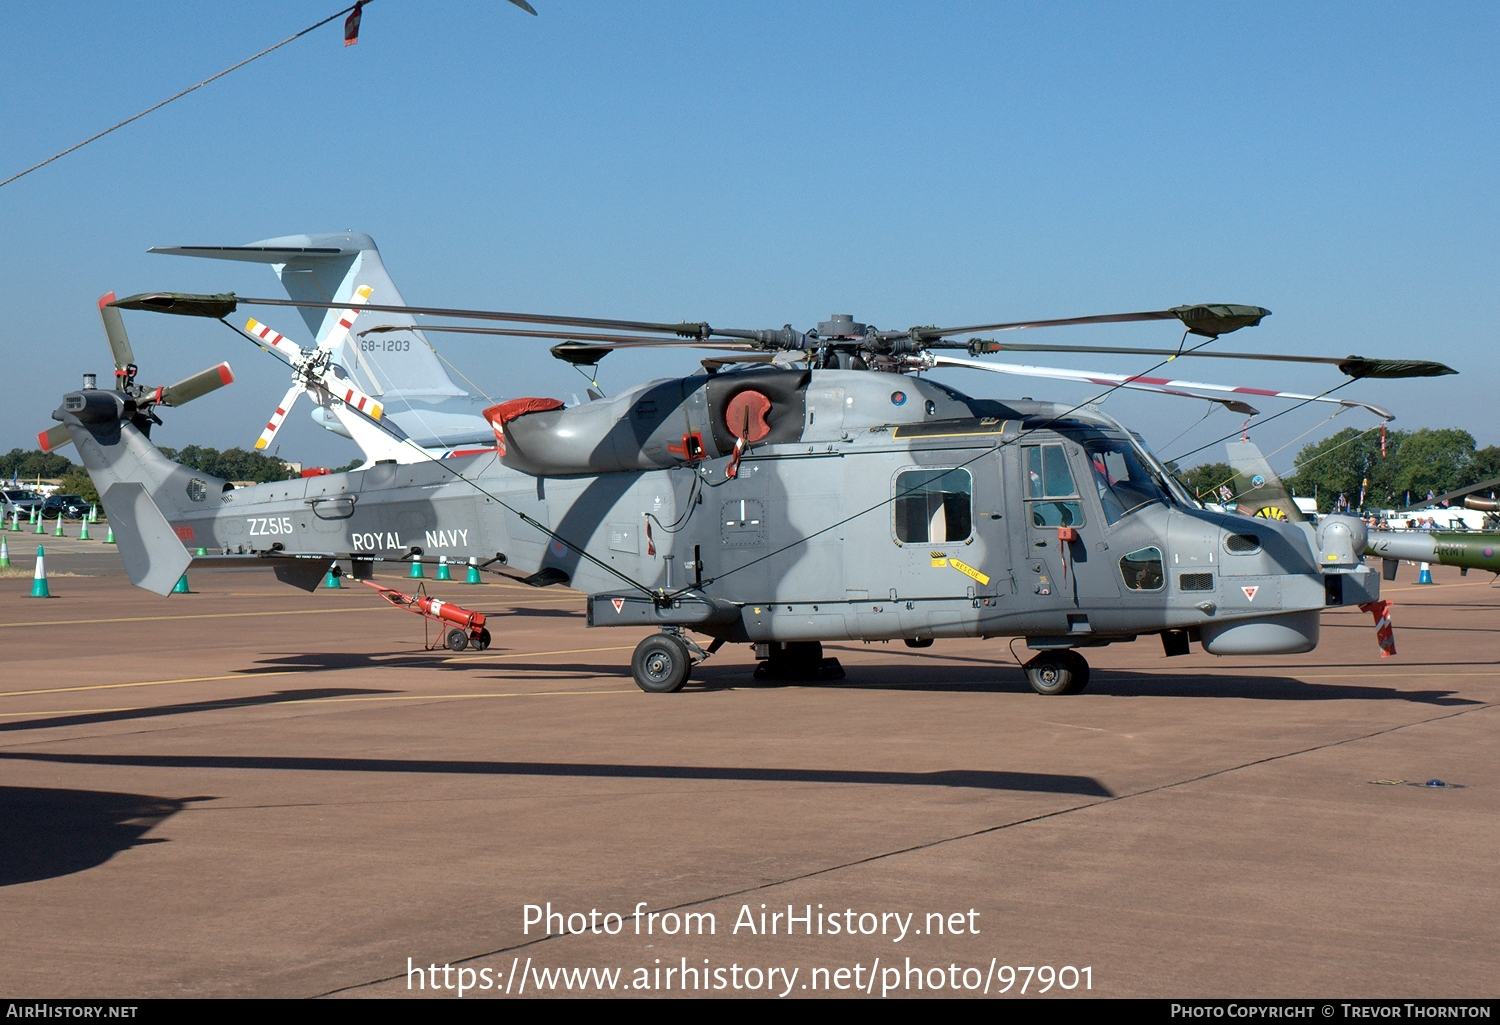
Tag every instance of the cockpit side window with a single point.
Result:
(1123, 482)
(1142, 569)
(934, 505)
(1051, 494)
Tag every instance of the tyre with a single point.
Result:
(660, 664)
(1054, 672)
(1080, 672)
(457, 640)
(481, 642)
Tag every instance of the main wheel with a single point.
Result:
(1080, 671)
(660, 664)
(1055, 672)
(457, 640)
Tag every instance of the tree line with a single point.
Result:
(1402, 471)
(230, 464)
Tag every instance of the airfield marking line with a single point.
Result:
(1070, 726)
(215, 706)
(530, 654)
(153, 683)
(284, 672)
(943, 841)
(201, 615)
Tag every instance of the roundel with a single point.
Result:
(1489, 553)
(1271, 512)
(745, 416)
(1257, 481)
(898, 398)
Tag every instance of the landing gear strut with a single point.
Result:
(1063, 671)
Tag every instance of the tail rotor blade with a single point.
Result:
(277, 417)
(200, 384)
(346, 318)
(351, 396)
(114, 330)
(54, 438)
(275, 339)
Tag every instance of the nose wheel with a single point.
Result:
(1058, 672)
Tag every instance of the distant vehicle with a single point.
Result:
(21, 500)
(73, 507)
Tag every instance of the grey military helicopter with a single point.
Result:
(807, 487)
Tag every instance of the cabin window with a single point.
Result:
(1050, 491)
(1142, 569)
(934, 505)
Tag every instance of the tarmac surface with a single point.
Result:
(253, 791)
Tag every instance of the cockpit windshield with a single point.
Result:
(1123, 481)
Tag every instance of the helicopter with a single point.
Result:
(805, 487)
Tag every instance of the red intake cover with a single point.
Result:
(754, 404)
(503, 413)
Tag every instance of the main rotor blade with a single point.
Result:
(224, 303)
(197, 386)
(1142, 383)
(1354, 366)
(289, 400)
(114, 330)
(633, 341)
(1210, 321)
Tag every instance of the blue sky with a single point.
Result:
(753, 164)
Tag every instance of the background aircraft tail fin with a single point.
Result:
(329, 268)
(1258, 491)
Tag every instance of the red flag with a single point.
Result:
(1384, 635)
(1382, 441)
(351, 24)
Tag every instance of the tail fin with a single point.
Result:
(1258, 491)
(329, 268)
(139, 487)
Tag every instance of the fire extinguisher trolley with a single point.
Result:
(463, 628)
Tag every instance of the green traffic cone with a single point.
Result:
(39, 578)
(41, 528)
(111, 538)
(4, 553)
(202, 550)
(58, 532)
(333, 581)
(416, 567)
(443, 572)
(473, 577)
(83, 533)
(182, 586)
(93, 514)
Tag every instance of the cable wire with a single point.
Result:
(178, 96)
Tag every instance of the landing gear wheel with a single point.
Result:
(481, 642)
(660, 664)
(1080, 671)
(1057, 672)
(457, 640)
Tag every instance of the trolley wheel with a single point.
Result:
(1057, 672)
(481, 642)
(457, 640)
(660, 664)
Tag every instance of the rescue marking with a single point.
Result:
(1250, 592)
